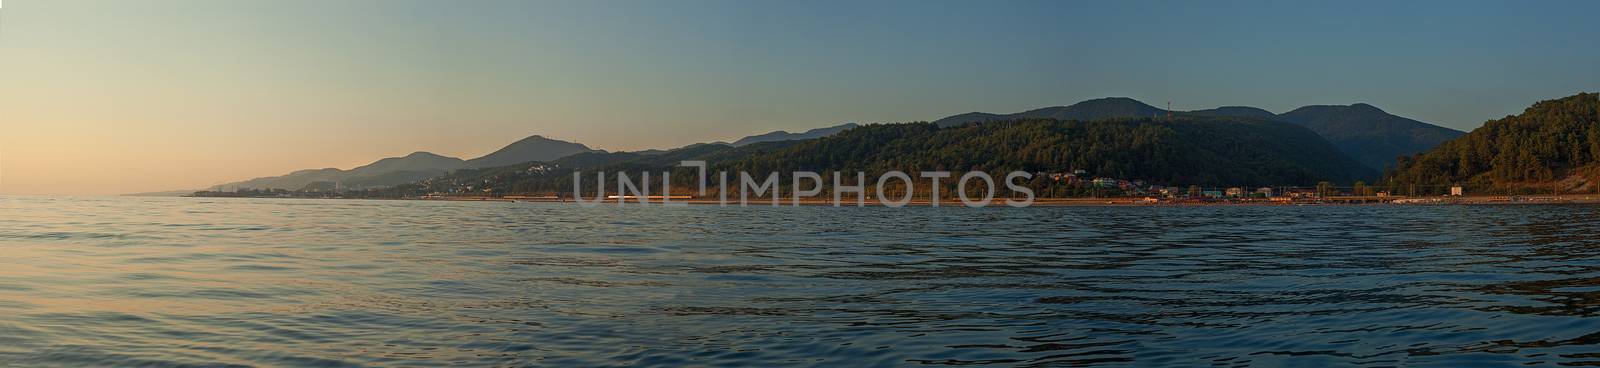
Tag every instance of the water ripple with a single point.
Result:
(167, 282)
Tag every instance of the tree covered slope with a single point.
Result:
(1551, 141)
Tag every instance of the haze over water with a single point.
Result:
(260, 282)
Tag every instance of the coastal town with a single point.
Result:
(1099, 190)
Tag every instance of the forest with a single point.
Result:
(1551, 148)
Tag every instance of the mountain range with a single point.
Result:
(418, 166)
(1359, 132)
(413, 167)
(1365, 133)
(1183, 150)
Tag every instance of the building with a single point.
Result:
(1300, 193)
(540, 168)
(1105, 182)
(1264, 192)
(1456, 191)
(1235, 192)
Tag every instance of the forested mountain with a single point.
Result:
(556, 175)
(1185, 150)
(1369, 135)
(534, 148)
(787, 136)
(1096, 109)
(416, 166)
(411, 168)
(290, 181)
(1180, 151)
(417, 161)
(1236, 111)
(1553, 146)
(1365, 133)
(1111, 137)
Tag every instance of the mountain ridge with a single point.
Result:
(412, 167)
(533, 148)
(1094, 109)
(1372, 136)
(780, 135)
(1362, 131)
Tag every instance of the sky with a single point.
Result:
(110, 97)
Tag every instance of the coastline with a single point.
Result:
(1587, 199)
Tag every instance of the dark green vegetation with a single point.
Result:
(1185, 150)
(1370, 136)
(1553, 146)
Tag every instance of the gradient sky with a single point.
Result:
(106, 97)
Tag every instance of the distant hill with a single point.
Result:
(290, 181)
(1096, 109)
(1368, 134)
(1237, 111)
(411, 168)
(534, 148)
(1553, 146)
(417, 161)
(787, 136)
(520, 178)
(1365, 133)
(376, 174)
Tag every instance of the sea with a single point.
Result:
(209, 282)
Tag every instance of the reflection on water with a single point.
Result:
(174, 282)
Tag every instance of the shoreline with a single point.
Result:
(1067, 202)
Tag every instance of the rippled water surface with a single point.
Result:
(257, 282)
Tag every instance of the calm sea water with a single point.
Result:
(257, 282)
